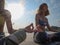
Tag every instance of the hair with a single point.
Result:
(2, 3)
(41, 8)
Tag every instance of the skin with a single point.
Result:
(7, 18)
(28, 28)
(8, 21)
(43, 17)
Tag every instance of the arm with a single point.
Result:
(38, 26)
(8, 21)
(29, 28)
(50, 29)
(37, 20)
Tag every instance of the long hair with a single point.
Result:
(41, 8)
(2, 3)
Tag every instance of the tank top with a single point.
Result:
(1, 20)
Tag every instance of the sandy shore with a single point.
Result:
(29, 40)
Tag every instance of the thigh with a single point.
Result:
(2, 41)
(56, 37)
(40, 37)
(2, 38)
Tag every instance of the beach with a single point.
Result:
(29, 40)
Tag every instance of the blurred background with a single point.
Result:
(23, 13)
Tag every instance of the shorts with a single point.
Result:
(40, 37)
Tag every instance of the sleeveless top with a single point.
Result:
(43, 23)
(1, 20)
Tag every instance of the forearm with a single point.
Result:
(7, 15)
(9, 26)
(51, 29)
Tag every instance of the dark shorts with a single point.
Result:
(40, 37)
(6, 41)
(2, 38)
(56, 37)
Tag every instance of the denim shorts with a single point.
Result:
(40, 37)
(2, 38)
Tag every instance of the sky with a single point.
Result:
(23, 12)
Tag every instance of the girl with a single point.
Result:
(40, 36)
(15, 38)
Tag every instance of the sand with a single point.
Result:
(29, 40)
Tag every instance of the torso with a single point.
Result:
(2, 20)
(43, 22)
